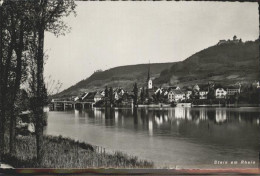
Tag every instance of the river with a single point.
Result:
(171, 137)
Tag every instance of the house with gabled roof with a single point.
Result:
(89, 97)
(203, 91)
(98, 97)
(220, 93)
(176, 95)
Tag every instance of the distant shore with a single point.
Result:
(60, 152)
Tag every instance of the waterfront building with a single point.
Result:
(256, 84)
(89, 97)
(84, 95)
(232, 90)
(103, 93)
(158, 90)
(98, 97)
(203, 93)
(196, 88)
(176, 95)
(188, 94)
(116, 96)
(76, 98)
(220, 93)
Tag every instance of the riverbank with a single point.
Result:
(62, 152)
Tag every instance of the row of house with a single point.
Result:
(178, 94)
(171, 93)
(99, 95)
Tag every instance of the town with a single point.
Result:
(209, 94)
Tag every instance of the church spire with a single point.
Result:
(149, 81)
(148, 76)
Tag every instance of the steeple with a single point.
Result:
(149, 81)
(148, 76)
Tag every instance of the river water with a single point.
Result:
(171, 137)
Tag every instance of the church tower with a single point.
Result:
(149, 80)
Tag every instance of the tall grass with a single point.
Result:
(62, 152)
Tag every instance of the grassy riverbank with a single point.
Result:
(62, 152)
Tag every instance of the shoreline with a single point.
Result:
(62, 152)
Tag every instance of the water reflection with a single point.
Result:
(169, 115)
(199, 125)
(221, 115)
(193, 135)
(202, 124)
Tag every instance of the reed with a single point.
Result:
(62, 152)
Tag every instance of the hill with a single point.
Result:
(226, 63)
(123, 76)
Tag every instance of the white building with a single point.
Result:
(233, 91)
(203, 94)
(150, 84)
(188, 94)
(176, 95)
(116, 96)
(98, 97)
(159, 90)
(220, 93)
(196, 87)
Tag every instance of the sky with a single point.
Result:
(108, 34)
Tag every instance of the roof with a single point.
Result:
(233, 87)
(173, 88)
(90, 95)
(176, 91)
(98, 95)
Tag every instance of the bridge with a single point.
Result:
(65, 104)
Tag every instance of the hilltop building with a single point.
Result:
(235, 40)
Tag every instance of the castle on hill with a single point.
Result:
(235, 41)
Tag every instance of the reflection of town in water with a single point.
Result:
(170, 119)
(195, 135)
(160, 116)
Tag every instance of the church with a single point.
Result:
(149, 85)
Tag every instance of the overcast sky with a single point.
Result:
(109, 34)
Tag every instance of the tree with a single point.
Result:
(12, 63)
(142, 95)
(135, 90)
(211, 94)
(106, 95)
(111, 97)
(47, 16)
(22, 28)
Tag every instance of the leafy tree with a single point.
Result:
(142, 95)
(135, 90)
(111, 97)
(14, 30)
(106, 95)
(47, 17)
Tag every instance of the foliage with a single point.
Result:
(135, 91)
(123, 76)
(22, 28)
(66, 153)
(216, 63)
